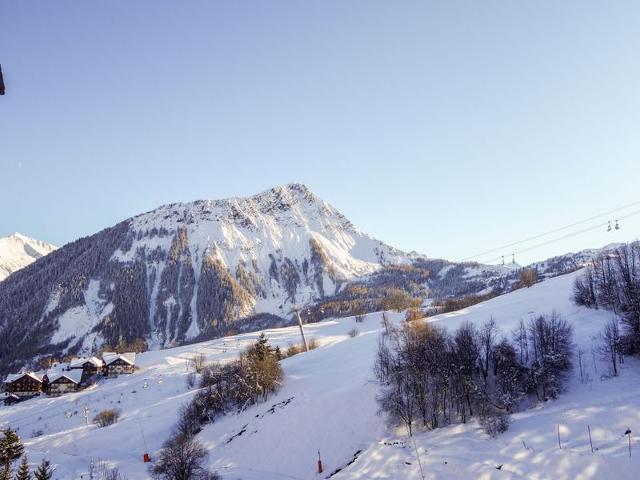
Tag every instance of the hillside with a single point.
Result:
(186, 271)
(328, 403)
(17, 251)
(195, 271)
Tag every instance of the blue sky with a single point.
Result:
(449, 128)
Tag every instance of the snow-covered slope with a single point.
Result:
(282, 247)
(17, 251)
(195, 271)
(328, 403)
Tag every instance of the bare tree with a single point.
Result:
(181, 458)
(510, 376)
(397, 400)
(528, 277)
(383, 365)
(465, 354)
(584, 290)
(581, 353)
(486, 341)
(197, 362)
(519, 335)
(612, 281)
(386, 323)
(610, 347)
(551, 341)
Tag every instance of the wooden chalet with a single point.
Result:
(60, 382)
(23, 385)
(89, 367)
(119, 363)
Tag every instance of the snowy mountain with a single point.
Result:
(17, 251)
(328, 403)
(194, 271)
(187, 271)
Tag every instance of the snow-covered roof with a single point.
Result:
(12, 377)
(110, 357)
(74, 375)
(79, 362)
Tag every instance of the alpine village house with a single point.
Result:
(61, 379)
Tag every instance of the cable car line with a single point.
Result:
(555, 230)
(569, 235)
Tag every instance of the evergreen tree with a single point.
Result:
(261, 349)
(23, 471)
(44, 471)
(6, 472)
(261, 371)
(11, 447)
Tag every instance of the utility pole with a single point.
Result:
(304, 340)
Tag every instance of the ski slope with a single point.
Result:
(327, 403)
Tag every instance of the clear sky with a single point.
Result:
(446, 127)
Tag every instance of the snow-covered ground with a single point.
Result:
(328, 403)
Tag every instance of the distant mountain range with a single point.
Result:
(193, 271)
(17, 251)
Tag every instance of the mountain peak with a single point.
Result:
(291, 193)
(17, 251)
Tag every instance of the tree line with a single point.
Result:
(612, 282)
(431, 376)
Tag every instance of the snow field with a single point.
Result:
(328, 403)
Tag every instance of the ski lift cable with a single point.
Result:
(572, 234)
(555, 230)
(569, 235)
